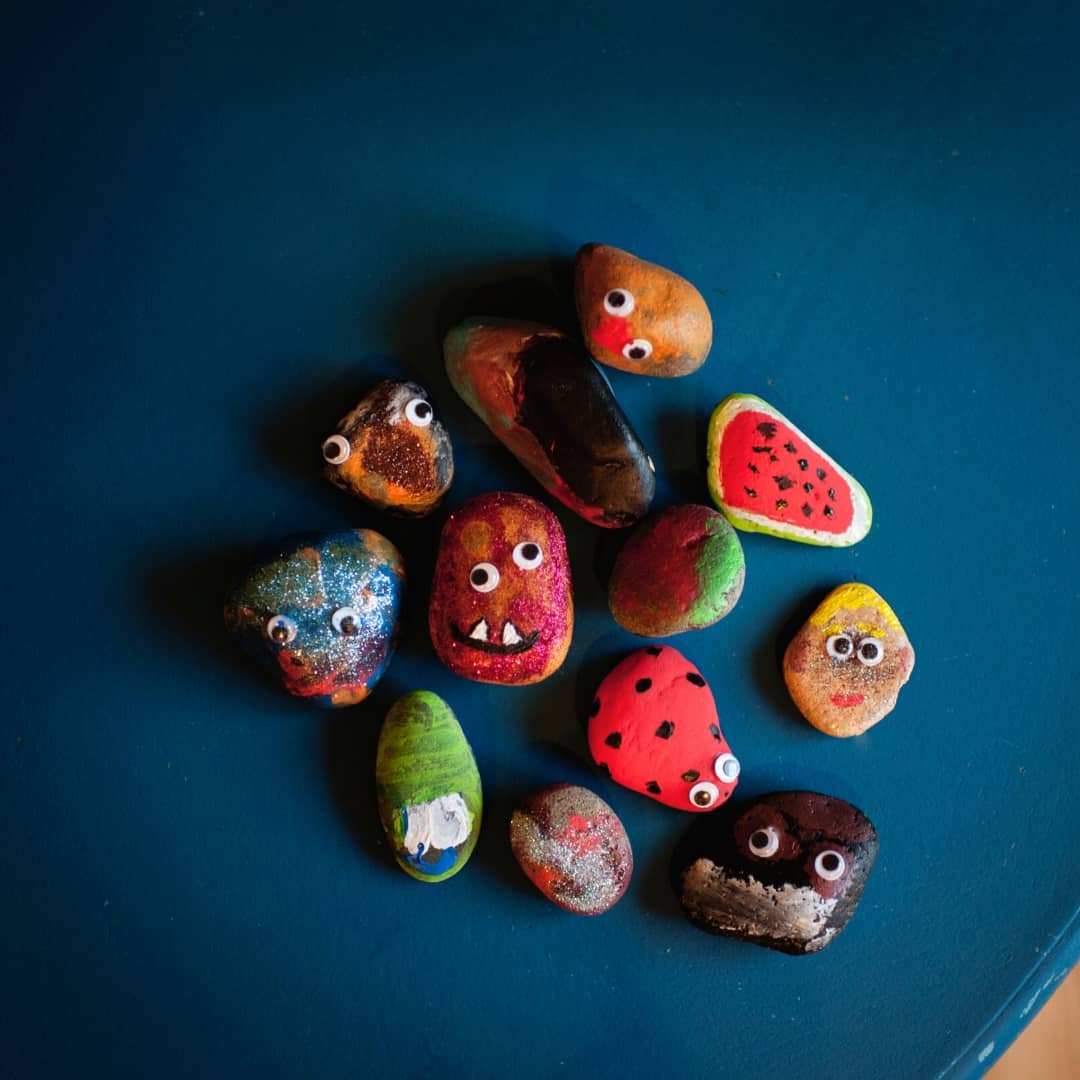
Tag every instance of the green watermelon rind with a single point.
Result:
(862, 511)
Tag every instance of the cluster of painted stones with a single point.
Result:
(784, 870)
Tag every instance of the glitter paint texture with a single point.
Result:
(399, 455)
(839, 694)
(573, 848)
(340, 595)
(518, 631)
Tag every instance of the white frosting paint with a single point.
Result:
(985, 1052)
(441, 823)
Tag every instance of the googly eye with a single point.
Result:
(336, 449)
(638, 349)
(704, 794)
(346, 620)
(839, 646)
(619, 302)
(870, 652)
(830, 865)
(764, 843)
(419, 412)
(483, 577)
(280, 629)
(528, 555)
(727, 768)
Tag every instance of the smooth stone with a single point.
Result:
(767, 476)
(550, 406)
(573, 848)
(392, 451)
(323, 615)
(427, 787)
(845, 668)
(502, 607)
(681, 569)
(653, 728)
(639, 317)
(785, 870)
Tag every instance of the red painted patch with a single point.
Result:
(846, 701)
(611, 334)
(765, 467)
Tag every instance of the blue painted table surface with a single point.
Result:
(222, 221)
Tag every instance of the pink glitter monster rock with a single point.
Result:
(502, 609)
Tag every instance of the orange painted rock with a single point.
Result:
(501, 609)
(846, 666)
(639, 317)
(573, 848)
(392, 451)
(551, 407)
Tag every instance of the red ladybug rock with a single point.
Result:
(653, 728)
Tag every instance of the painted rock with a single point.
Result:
(549, 405)
(573, 848)
(681, 569)
(427, 787)
(323, 615)
(392, 451)
(784, 871)
(767, 476)
(502, 609)
(639, 317)
(653, 728)
(846, 666)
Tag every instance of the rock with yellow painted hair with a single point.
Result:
(846, 666)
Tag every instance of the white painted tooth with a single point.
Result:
(510, 634)
(479, 631)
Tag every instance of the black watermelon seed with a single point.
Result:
(695, 678)
(790, 447)
(804, 464)
(654, 650)
(751, 466)
(773, 457)
(714, 731)
(832, 493)
(768, 430)
(828, 511)
(761, 449)
(781, 504)
(595, 707)
(652, 787)
(784, 482)
(807, 509)
(690, 775)
(665, 730)
(614, 740)
(821, 474)
(750, 491)
(808, 487)
(642, 685)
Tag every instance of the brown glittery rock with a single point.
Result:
(573, 848)
(846, 666)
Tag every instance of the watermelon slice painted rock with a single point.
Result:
(767, 476)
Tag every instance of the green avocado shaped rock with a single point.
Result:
(427, 787)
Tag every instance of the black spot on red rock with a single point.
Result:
(665, 730)
(714, 731)
(614, 740)
(695, 678)
(690, 775)
(642, 685)
(652, 787)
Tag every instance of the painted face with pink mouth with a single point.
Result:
(846, 666)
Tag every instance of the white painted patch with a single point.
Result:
(442, 823)
(985, 1052)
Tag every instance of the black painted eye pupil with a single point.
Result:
(702, 798)
(529, 552)
(280, 632)
(423, 409)
(637, 353)
(830, 862)
(760, 839)
(479, 577)
(842, 645)
(870, 650)
(616, 298)
(348, 625)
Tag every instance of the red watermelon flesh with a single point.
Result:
(770, 469)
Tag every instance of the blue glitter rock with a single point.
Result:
(323, 615)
